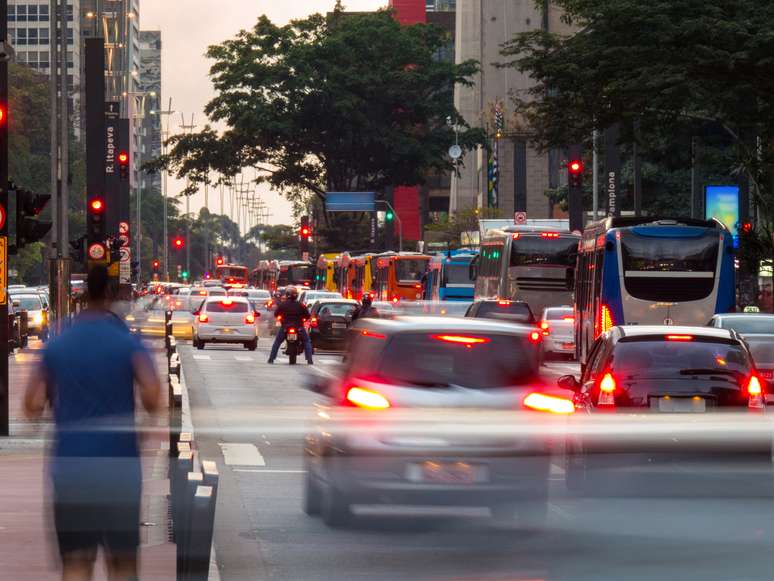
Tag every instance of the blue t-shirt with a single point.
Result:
(91, 388)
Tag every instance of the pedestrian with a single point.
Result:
(87, 375)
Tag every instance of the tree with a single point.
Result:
(344, 102)
(663, 69)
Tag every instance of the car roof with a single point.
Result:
(444, 324)
(657, 330)
(335, 301)
(745, 316)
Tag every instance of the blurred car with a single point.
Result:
(758, 331)
(558, 327)
(385, 309)
(37, 312)
(641, 371)
(330, 320)
(226, 320)
(502, 310)
(428, 369)
(16, 338)
(307, 297)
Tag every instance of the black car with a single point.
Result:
(652, 396)
(330, 321)
(502, 310)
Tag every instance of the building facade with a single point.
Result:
(523, 174)
(150, 122)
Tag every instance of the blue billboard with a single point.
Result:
(722, 203)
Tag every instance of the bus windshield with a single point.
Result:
(232, 271)
(537, 251)
(299, 273)
(410, 269)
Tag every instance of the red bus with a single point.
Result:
(232, 275)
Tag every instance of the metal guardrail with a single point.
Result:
(193, 483)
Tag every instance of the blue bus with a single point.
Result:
(651, 271)
(448, 277)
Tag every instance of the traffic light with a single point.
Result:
(305, 234)
(29, 228)
(115, 250)
(156, 264)
(95, 220)
(219, 261)
(746, 227)
(389, 216)
(123, 165)
(184, 274)
(178, 243)
(78, 250)
(575, 173)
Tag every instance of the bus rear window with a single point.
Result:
(410, 270)
(537, 251)
(669, 269)
(457, 273)
(232, 272)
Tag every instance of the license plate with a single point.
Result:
(225, 330)
(680, 404)
(568, 345)
(339, 325)
(433, 472)
(767, 373)
(292, 337)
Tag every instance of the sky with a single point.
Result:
(187, 28)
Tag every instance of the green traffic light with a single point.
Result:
(184, 274)
(389, 215)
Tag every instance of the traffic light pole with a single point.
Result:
(397, 219)
(4, 407)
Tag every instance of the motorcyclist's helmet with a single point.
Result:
(367, 300)
(292, 293)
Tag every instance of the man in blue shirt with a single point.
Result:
(87, 376)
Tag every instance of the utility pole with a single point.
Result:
(164, 192)
(185, 129)
(4, 400)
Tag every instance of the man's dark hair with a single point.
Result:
(97, 283)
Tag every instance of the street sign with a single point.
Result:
(350, 202)
(3, 269)
(125, 254)
(519, 218)
(123, 228)
(455, 152)
(97, 251)
(2, 217)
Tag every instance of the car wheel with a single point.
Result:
(336, 511)
(200, 344)
(252, 345)
(312, 503)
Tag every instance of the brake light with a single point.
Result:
(202, 293)
(515, 235)
(306, 283)
(367, 399)
(607, 388)
(546, 328)
(679, 337)
(605, 319)
(227, 302)
(549, 234)
(755, 391)
(250, 318)
(313, 322)
(569, 319)
(417, 286)
(203, 318)
(549, 403)
(503, 302)
(367, 333)
(461, 339)
(534, 337)
(269, 304)
(395, 299)
(291, 331)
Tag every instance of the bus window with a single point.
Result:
(410, 269)
(535, 251)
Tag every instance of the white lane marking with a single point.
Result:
(235, 454)
(556, 469)
(270, 471)
(242, 358)
(328, 361)
(202, 357)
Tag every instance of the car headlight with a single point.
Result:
(129, 318)
(37, 318)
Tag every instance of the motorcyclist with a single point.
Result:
(365, 309)
(292, 313)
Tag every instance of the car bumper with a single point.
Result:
(564, 345)
(220, 334)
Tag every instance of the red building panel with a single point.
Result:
(405, 200)
(410, 11)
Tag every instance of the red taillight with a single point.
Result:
(535, 336)
(269, 304)
(605, 319)
(250, 318)
(568, 319)
(202, 293)
(549, 403)
(515, 236)
(367, 398)
(395, 299)
(203, 318)
(755, 391)
(679, 337)
(545, 328)
(417, 286)
(227, 302)
(313, 322)
(549, 234)
(291, 331)
(461, 339)
(503, 303)
(367, 333)
(306, 283)
(607, 388)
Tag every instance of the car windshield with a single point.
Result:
(663, 358)
(558, 314)
(753, 324)
(443, 359)
(29, 302)
(226, 307)
(409, 269)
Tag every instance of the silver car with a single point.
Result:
(757, 329)
(557, 324)
(432, 411)
(226, 320)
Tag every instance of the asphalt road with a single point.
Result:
(250, 417)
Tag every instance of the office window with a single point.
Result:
(43, 59)
(32, 36)
(12, 13)
(21, 12)
(43, 13)
(43, 35)
(69, 12)
(32, 13)
(21, 36)
(21, 57)
(70, 58)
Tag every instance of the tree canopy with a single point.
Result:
(339, 102)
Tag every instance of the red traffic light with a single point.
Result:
(2, 114)
(219, 261)
(178, 242)
(305, 231)
(123, 158)
(747, 227)
(575, 166)
(96, 205)
(156, 264)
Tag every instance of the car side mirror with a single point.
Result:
(569, 382)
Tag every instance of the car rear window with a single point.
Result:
(217, 293)
(30, 303)
(445, 358)
(657, 357)
(558, 314)
(222, 307)
(763, 353)
(749, 325)
(505, 309)
(336, 309)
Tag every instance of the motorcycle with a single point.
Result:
(293, 344)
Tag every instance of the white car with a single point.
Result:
(226, 320)
(558, 327)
